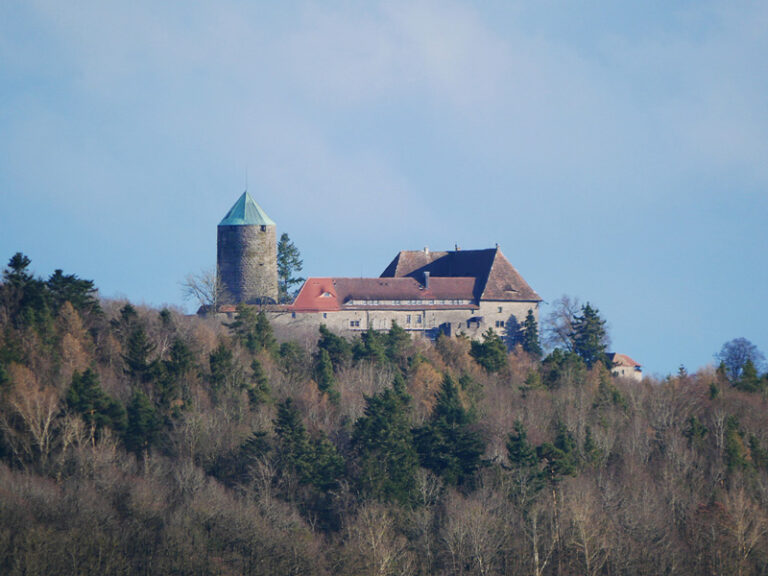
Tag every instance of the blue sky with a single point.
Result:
(617, 154)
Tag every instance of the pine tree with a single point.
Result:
(491, 353)
(78, 292)
(371, 346)
(562, 369)
(295, 449)
(138, 365)
(396, 344)
(313, 461)
(530, 336)
(589, 336)
(95, 407)
(387, 459)
(339, 349)
(527, 479)
(143, 423)
(749, 380)
(258, 391)
(447, 444)
(326, 381)
(289, 262)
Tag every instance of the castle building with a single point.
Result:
(624, 367)
(428, 293)
(461, 291)
(247, 254)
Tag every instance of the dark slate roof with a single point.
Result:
(496, 278)
(246, 212)
(328, 294)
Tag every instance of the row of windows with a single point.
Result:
(408, 320)
(452, 302)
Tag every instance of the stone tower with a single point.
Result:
(247, 254)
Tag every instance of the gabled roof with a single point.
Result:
(496, 278)
(622, 360)
(329, 294)
(246, 212)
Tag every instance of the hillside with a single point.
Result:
(141, 441)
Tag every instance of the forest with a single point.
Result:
(142, 441)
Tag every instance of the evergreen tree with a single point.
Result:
(181, 358)
(387, 459)
(339, 349)
(695, 431)
(527, 480)
(143, 423)
(138, 349)
(592, 453)
(491, 353)
(447, 444)
(589, 336)
(559, 457)
(530, 336)
(253, 330)
(289, 262)
(396, 344)
(26, 298)
(295, 448)
(259, 391)
(224, 370)
(562, 369)
(749, 380)
(263, 334)
(735, 451)
(313, 461)
(371, 346)
(327, 464)
(78, 292)
(95, 407)
(169, 376)
(326, 381)
(17, 273)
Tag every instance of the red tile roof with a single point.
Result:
(623, 360)
(329, 294)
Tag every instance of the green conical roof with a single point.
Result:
(246, 212)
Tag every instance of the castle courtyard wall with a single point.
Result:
(471, 322)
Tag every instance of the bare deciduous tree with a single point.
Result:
(205, 288)
(557, 326)
(36, 406)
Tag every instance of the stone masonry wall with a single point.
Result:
(247, 263)
(415, 321)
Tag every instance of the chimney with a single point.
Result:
(426, 250)
(456, 247)
(426, 280)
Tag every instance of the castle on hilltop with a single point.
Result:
(422, 291)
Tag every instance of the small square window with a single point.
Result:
(418, 319)
(501, 309)
(408, 319)
(325, 315)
